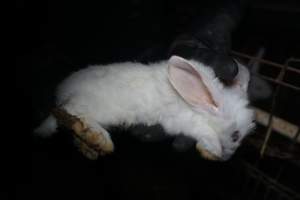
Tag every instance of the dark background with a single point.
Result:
(57, 37)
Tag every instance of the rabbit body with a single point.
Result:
(127, 94)
(133, 93)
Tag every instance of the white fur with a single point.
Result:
(130, 93)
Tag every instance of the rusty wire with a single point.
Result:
(288, 68)
(279, 82)
(269, 184)
(273, 64)
(273, 105)
(263, 181)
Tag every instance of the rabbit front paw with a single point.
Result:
(205, 153)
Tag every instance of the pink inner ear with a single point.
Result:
(189, 84)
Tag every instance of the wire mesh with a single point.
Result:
(257, 184)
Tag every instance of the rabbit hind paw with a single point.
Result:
(91, 141)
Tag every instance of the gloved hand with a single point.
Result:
(223, 65)
(188, 47)
(191, 48)
(209, 41)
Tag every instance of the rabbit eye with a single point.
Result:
(235, 136)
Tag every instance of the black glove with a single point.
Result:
(208, 41)
(223, 65)
(191, 48)
(156, 133)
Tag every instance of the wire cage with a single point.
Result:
(272, 173)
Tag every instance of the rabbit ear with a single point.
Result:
(242, 78)
(188, 82)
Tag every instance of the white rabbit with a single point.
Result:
(183, 96)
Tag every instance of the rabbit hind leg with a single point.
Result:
(89, 136)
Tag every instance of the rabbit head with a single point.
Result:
(225, 108)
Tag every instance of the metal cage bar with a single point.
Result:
(262, 182)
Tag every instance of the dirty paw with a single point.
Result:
(92, 141)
